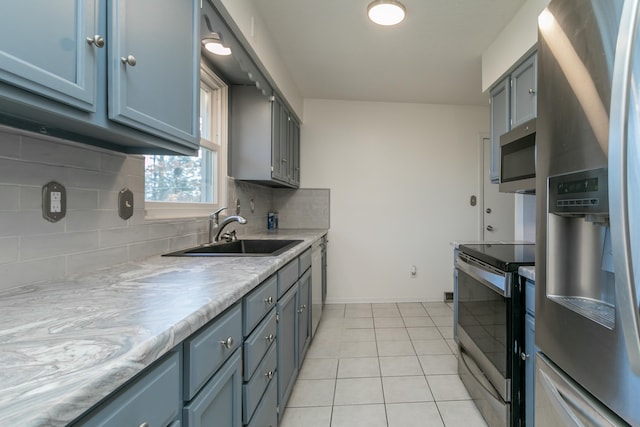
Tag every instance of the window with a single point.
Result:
(188, 186)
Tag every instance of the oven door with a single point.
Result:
(484, 327)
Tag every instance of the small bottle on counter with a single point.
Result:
(272, 221)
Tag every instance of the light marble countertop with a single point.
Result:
(66, 345)
(528, 272)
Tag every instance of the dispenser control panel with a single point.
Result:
(579, 193)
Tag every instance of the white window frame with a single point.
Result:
(168, 210)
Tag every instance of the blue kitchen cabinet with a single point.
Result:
(513, 101)
(287, 345)
(44, 49)
(62, 72)
(499, 110)
(153, 57)
(219, 403)
(152, 398)
(304, 315)
(524, 92)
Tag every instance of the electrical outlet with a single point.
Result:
(413, 271)
(125, 203)
(54, 201)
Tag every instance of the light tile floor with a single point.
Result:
(387, 365)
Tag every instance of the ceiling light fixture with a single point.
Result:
(386, 12)
(213, 44)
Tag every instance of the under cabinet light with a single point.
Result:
(213, 44)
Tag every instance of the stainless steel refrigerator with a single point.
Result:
(588, 210)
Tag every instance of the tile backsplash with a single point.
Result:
(92, 235)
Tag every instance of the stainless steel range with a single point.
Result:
(489, 308)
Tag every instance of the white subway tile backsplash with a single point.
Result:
(47, 245)
(49, 152)
(9, 144)
(9, 249)
(26, 223)
(9, 197)
(88, 261)
(25, 273)
(92, 235)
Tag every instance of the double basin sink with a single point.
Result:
(240, 248)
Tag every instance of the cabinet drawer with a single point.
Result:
(259, 302)
(305, 261)
(266, 414)
(287, 276)
(153, 398)
(530, 297)
(205, 351)
(220, 401)
(258, 343)
(253, 390)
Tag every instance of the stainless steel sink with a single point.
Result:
(241, 248)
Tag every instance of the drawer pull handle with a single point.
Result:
(269, 300)
(228, 343)
(270, 338)
(144, 424)
(269, 375)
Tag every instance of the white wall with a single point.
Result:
(514, 41)
(400, 177)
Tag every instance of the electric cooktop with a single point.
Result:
(504, 256)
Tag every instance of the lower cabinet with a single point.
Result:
(152, 398)
(304, 315)
(237, 370)
(219, 403)
(287, 346)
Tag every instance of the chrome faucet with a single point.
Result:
(228, 220)
(214, 222)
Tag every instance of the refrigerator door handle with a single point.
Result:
(619, 191)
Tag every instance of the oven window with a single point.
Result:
(482, 313)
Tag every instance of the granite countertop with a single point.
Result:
(66, 345)
(528, 272)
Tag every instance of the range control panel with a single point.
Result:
(579, 193)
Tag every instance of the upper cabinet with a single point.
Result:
(103, 72)
(265, 139)
(513, 101)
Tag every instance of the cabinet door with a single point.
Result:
(304, 312)
(156, 89)
(523, 92)
(499, 102)
(287, 345)
(44, 49)
(278, 132)
(294, 142)
(220, 401)
(529, 368)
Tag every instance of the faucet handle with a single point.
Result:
(214, 216)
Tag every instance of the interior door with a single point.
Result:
(498, 209)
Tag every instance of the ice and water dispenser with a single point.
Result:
(579, 258)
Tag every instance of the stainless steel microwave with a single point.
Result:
(518, 159)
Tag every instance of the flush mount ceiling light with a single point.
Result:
(213, 44)
(386, 12)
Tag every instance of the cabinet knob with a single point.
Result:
(97, 41)
(268, 300)
(489, 228)
(284, 160)
(129, 60)
(269, 375)
(524, 356)
(228, 343)
(532, 91)
(270, 338)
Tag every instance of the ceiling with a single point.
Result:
(333, 51)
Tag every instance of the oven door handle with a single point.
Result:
(497, 282)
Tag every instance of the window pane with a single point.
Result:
(205, 114)
(180, 178)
